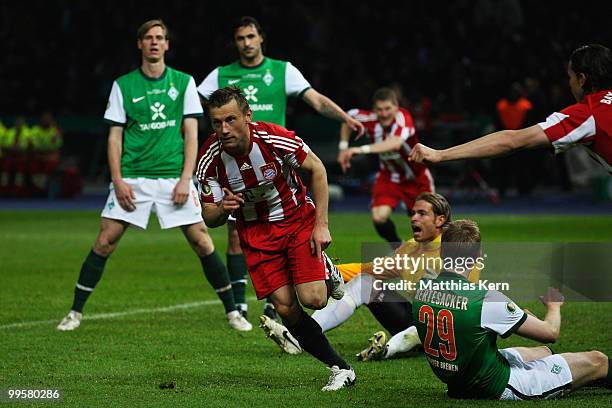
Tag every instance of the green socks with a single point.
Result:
(217, 275)
(91, 272)
(236, 266)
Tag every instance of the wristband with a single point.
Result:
(365, 149)
(343, 145)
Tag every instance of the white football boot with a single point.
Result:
(71, 322)
(280, 335)
(339, 378)
(238, 322)
(337, 280)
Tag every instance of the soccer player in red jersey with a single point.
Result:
(248, 169)
(391, 130)
(587, 123)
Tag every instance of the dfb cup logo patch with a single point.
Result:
(268, 171)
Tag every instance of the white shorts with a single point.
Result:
(545, 378)
(155, 195)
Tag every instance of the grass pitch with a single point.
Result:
(133, 352)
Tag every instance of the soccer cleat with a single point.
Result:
(270, 311)
(339, 378)
(377, 348)
(337, 281)
(237, 322)
(71, 321)
(280, 335)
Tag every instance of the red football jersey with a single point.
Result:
(587, 123)
(393, 165)
(266, 177)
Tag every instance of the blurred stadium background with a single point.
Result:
(451, 61)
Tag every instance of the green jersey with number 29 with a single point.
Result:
(458, 324)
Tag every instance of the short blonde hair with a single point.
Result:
(147, 25)
(460, 239)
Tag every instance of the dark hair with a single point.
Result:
(595, 62)
(246, 21)
(223, 96)
(385, 94)
(439, 204)
(460, 239)
(147, 25)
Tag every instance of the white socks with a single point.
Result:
(402, 342)
(356, 293)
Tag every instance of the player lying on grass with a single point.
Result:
(587, 123)
(248, 169)
(459, 325)
(431, 212)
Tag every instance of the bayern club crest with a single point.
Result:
(268, 170)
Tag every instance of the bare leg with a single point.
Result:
(198, 238)
(109, 236)
(586, 367)
(312, 295)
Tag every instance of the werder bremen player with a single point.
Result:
(459, 325)
(151, 169)
(266, 83)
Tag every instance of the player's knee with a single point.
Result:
(286, 310)
(202, 243)
(104, 246)
(379, 218)
(314, 301)
(598, 359)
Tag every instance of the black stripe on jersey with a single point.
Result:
(301, 94)
(113, 123)
(515, 327)
(540, 396)
(193, 115)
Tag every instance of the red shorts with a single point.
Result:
(385, 192)
(278, 253)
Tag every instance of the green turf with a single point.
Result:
(122, 361)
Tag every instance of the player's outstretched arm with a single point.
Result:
(123, 191)
(330, 109)
(493, 144)
(321, 238)
(547, 330)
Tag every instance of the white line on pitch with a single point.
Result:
(121, 314)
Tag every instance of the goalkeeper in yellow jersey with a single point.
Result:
(431, 212)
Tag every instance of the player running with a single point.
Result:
(267, 84)
(391, 130)
(248, 169)
(588, 123)
(459, 325)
